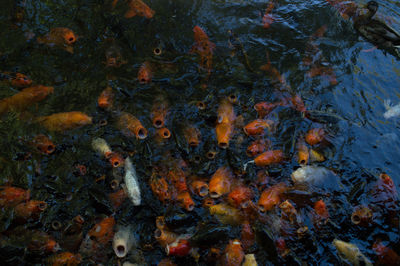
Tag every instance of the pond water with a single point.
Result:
(341, 78)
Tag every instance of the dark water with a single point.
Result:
(363, 142)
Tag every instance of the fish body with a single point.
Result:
(240, 195)
(159, 111)
(132, 183)
(131, 126)
(12, 196)
(269, 157)
(64, 121)
(192, 135)
(351, 253)
(145, 73)
(25, 98)
(226, 214)
(234, 254)
(257, 127)
(316, 176)
(268, 18)
(61, 37)
(106, 98)
(225, 123)
(271, 197)
(18, 80)
(123, 241)
(221, 182)
(43, 144)
(139, 8)
(65, 258)
(391, 110)
(30, 209)
(250, 260)
(204, 48)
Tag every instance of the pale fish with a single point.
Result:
(131, 182)
(123, 241)
(351, 253)
(317, 176)
(391, 110)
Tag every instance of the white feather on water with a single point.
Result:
(391, 110)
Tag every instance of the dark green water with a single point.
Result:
(363, 142)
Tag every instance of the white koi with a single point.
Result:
(131, 182)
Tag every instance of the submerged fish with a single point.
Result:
(351, 253)
(391, 110)
(131, 182)
(64, 121)
(317, 176)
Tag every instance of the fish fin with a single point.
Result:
(388, 104)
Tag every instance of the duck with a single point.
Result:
(376, 31)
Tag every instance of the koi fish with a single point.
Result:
(226, 214)
(192, 135)
(131, 126)
(61, 37)
(185, 200)
(123, 241)
(165, 237)
(199, 187)
(181, 247)
(25, 98)
(315, 136)
(101, 147)
(391, 110)
(250, 260)
(225, 123)
(65, 258)
(139, 8)
(271, 197)
(16, 79)
(145, 73)
(346, 9)
(103, 232)
(159, 111)
(257, 127)
(204, 48)
(386, 256)
(43, 144)
(256, 147)
(317, 176)
(113, 55)
(240, 195)
(12, 196)
(277, 80)
(269, 157)
(220, 182)
(264, 108)
(268, 18)
(64, 121)
(132, 183)
(362, 215)
(117, 198)
(40, 242)
(351, 253)
(30, 209)
(106, 98)
(247, 236)
(302, 152)
(234, 254)
(160, 188)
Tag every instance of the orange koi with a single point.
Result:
(145, 73)
(234, 254)
(30, 209)
(186, 200)
(321, 210)
(273, 74)
(115, 159)
(61, 37)
(271, 197)
(139, 8)
(65, 258)
(162, 134)
(64, 121)
(113, 55)
(302, 152)
(16, 79)
(192, 135)
(43, 144)
(257, 127)
(103, 232)
(165, 237)
(268, 19)
(362, 216)
(240, 195)
(160, 188)
(264, 108)
(117, 198)
(131, 126)
(298, 104)
(12, 196)
(159, 111)
(106, 98)
(25, 98)
(225, 123)
(42, 243)
(384, 192)
(386, 256)
(288, 211)
(247, 236)
(177, 177)
(204, 48)
(315, 136)
(199, 187)
(281, 247)
(220, 182)
(257, 147)
(269, 157)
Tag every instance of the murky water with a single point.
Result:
(362, 145)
